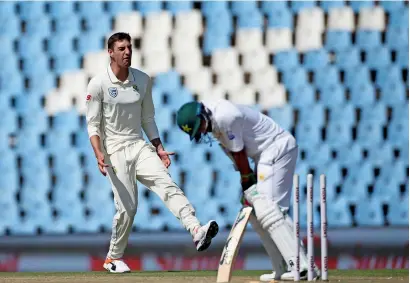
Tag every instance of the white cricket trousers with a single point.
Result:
(139, 161)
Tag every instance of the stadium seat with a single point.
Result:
(66, 62)
(327, 6)
(248, 40)
(280, 19)
(362, 93)
(357, 6)
(308, 134)
(8, 9)
(69, 26)
(341, 19)
(338, 134)
(338, 40)
(265, 78)
(389, 74)
(286, 60)
(400, 112)
(119, 7)
(274, 97)
(338, 215)
(36, 121)
(101, 27)
(300, 6)
(283, 116)
(128, 21)
(402, 59)
(357, 76)
(268, 7)
(372, 18)
(250, 19)
(31, 10)
(39, 27)
(147, 7)
(347, 58)
(332, 95)
(390, 6)
(295, 78)
(213, 7)
(215, 41)
(168, 81)
(374, 112)
(29, 46)
(231, 80)
(308, 39)
(200, 81)
(399, 18)
(312, 19)
(91, 9)
(398, 212)
(398, 132)
(347, 155)
(10, 27)
(345, 113)
(10, 213)
(316, 59)
(314, 114)
(189, 23)
(242, 7)
(369, 213)
(38, 64)
(369, 133)
(378, 57)
(94, 42)
(368, 39)
(326, 77)
(221, 22)
(319, 156)
(28, 140)
(278, 39)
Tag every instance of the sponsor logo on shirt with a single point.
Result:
(88, 97)
(231, 136)
(113, 92)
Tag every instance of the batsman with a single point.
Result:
(246, 133)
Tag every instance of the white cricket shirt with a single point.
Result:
(116, 111)
(239, 126)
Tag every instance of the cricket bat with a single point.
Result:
(232, 245)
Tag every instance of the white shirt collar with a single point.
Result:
(114, 78)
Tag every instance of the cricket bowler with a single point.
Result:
(244, 132)
(119, 106)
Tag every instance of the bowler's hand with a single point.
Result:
(101, 163)
(164, 156)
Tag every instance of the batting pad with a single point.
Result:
(272, 220)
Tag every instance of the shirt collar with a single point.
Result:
(115, 80)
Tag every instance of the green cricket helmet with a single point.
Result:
(189, 118)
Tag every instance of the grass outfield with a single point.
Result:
(376, 276)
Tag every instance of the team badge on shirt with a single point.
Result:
(113, 92)
(135, 87)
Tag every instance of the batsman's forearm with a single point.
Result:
(96, 144)
(241, 161)
(157, 143)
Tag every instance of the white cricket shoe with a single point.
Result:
(116, 266)
(204, 235)
(287, 276)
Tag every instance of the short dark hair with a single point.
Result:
(119, 36)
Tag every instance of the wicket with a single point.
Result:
(310, 227)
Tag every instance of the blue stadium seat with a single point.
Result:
(332, 95)
(220, 23)
(114, 8)
(308, 134)
(4, 141)
(283, 116)
(213, 7)
(294, 78)
(10, 27)
(198, 185)
(402, 58)
(70, 26)
(397, 38)
(344, 113)
(30, 46)
(176, 7)
(68, 120)
(386, 189)
(338, 133)
(376, 112)
(60, 44)
(327, 76)
(7, 46)
(349, 154)
(319, 156)
(214, 41)
(101, 27)
(398, 131)
(39, 64)
(369, 212)
(369, 133)
(378, 57)
(328, 5)
(368, 39)
(8, 122)
(357, 5)
(243, 7)
(297, 6)
(58, 140)
(316, 59)
(250, 19)
(400, 112)
(168, 82)
(390, 6)
(359, 75)
(38, 27)
(9, 180)
(28, 102)
(314, 114)
(62, 9)
(359, 172)
(35, 121)
(388, 75)
(69, 177)
(176, 99)
(41, 83)
(280, 19)
(286, 60)
(381, 155)
(66, 62)
(302, 96)
(338, 215)
(91, 9)
(41, 180)
(228, 184)
(95, 42)
(269, 7)
(10, 213)
(348, 58)
(398, 212)
(31, 9)
(399, 18)
(28, 141)
(11, 82)
(8, 10)
(163, 119)
(146, 7)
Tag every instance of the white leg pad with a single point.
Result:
(278, 263)
(273, 221)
